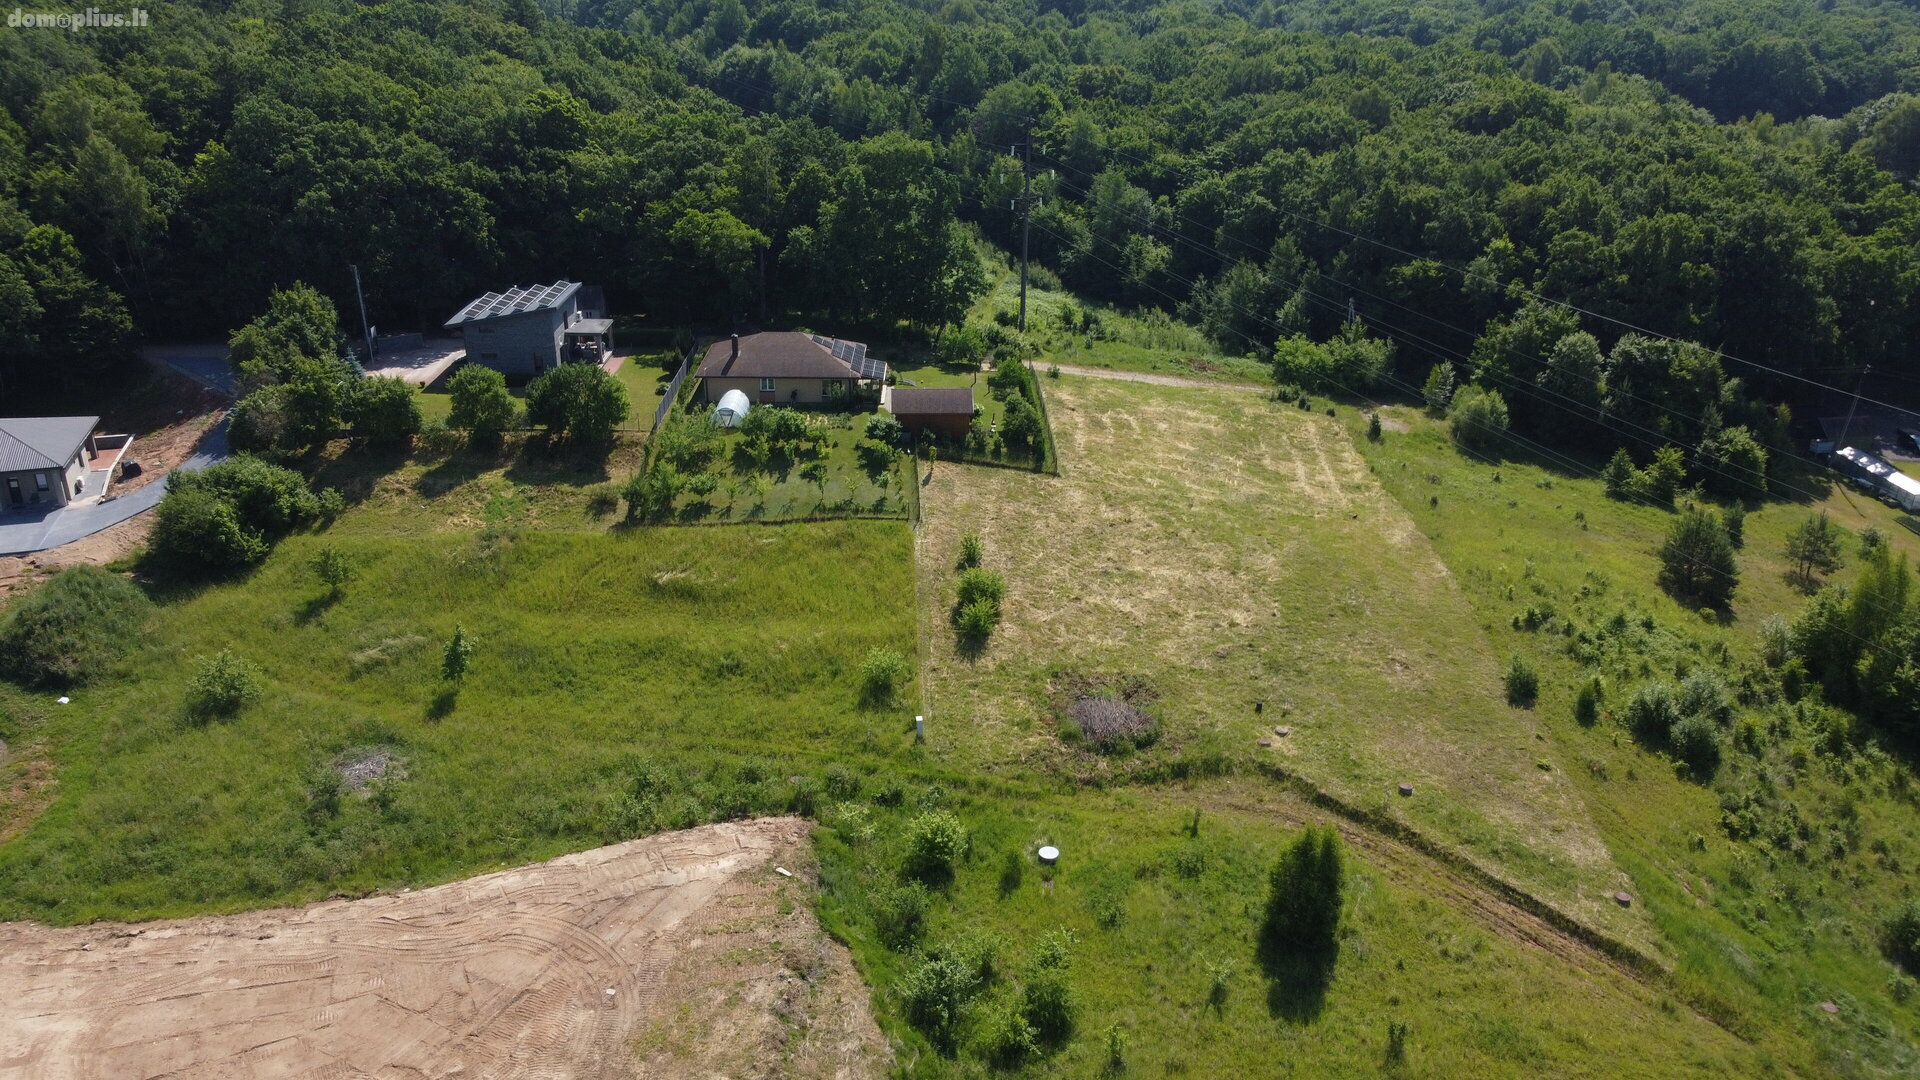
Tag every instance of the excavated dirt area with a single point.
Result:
(685, 954)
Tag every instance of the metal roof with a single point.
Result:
(515, 301)
(789, 355)
(591, 326)
(1879, 468)
(42, 442)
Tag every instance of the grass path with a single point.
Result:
(1157, 379)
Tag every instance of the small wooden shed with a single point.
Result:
(942, 410)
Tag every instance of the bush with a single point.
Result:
(977, 621)
(1478, 418)
(221, 685)
(1900, 939)
(332, 568)
(581, 402)
(884, 428)
(1373, 427)
(1586, 704)
(269, 500)
(70, 628)
(258, 423)
(881, 673)
(1022, 427)
(935, 995)
(900, 913)
(1618, 475)
(972, 550)
(1704, 693)
(1734, 463)
(1734, 520)
(1438, 390)
(935, 842)
(1303, 902)
(386, 410)
(482, 406)
(977, 585)
(198, 528)
(1006, 1039)
(1695, 740)
(1663, 476)
(1523, 685)
(1651, 712)
(1049, 1005)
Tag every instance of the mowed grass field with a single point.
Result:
(1225, 550)
(621, 684)
(1761, 931)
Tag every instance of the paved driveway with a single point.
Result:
(205, 364)
(26, 531)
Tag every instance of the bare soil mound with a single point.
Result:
(591, 965)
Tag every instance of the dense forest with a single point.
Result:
(1445, 182)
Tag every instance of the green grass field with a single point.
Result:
(725, 659)
(781, 490)
(1761, 931)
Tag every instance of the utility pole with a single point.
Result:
(366, 329)
(1841, 443)
(1026, 219)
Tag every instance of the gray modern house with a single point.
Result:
(44, 459)
(525, 331)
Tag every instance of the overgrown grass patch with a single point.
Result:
(652, 679)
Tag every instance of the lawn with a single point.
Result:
(622, 683)
(1764, 930)
(1224, 551)
(643, 373)
(834, 481)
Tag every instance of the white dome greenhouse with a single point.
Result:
(732, 409)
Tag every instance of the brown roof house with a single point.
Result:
(787, 369)
(940, 409)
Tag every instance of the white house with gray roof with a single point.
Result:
(531, 329)
(44, 459)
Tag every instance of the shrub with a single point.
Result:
(1871, 539)
(317, 397)
(1651, 712)
(935, 995)
(1695, 739)
(1696, 561)
(198, 528)
(1373, 427)
(1021, 426)
(1734, 520)
(1303, 902)
(900, 913)
(1110, 723)
(1006, 1039)
(976, 622)
(1900, 939)
(881, 673)
(1618, 475)
(267, 499)
(1586, 704)
(1663, 476)
(581, 402)
(258, 423)
(703, 484)
(842, 782)
(221, 685)
(1008, 379)
(481, 405)
(971, 551)
(1478, 417)
(1734, 463)
(884, 428)
(1049, 1005)
(977, 584)
(64, 632)
(386, 410)
(936, 840)
(458, 656)
(1814, 547)
(1523, 685)
(1704, 693)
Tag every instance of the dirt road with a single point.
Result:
(607, 963)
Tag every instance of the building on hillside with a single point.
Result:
(942, 410)
(1877, 475)
(525, 331)
(45, 459)
(788, 369)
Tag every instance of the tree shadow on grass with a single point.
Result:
(1297, 977)
(443, 703)
(546, 461)
(315, 607)
(460, 468)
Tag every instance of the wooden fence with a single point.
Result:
(673, 391)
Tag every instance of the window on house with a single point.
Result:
(766, 386)
(832, 388)
(40, 481)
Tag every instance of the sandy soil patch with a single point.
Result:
(684, 954)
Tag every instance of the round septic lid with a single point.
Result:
(1049, 854)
